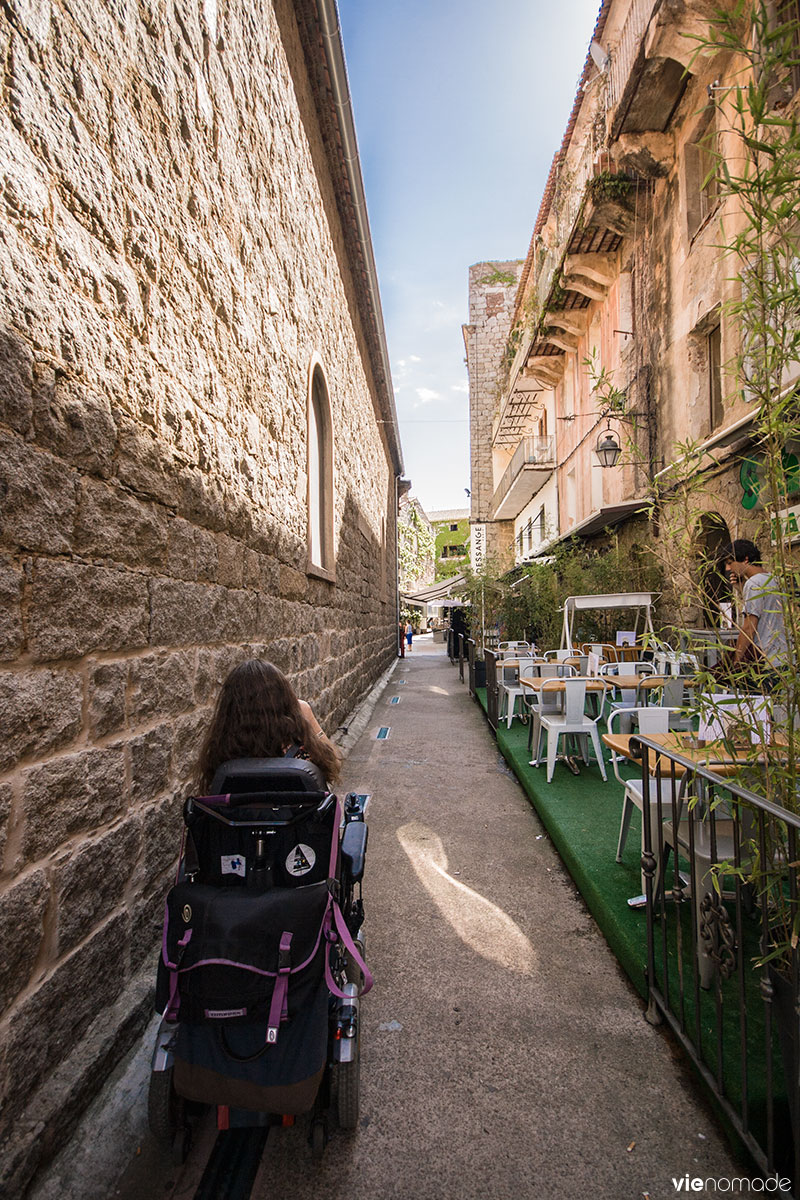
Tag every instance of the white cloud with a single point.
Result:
(427, 394)
(459, 387)
(414, 358)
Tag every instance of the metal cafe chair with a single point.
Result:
(573, 720)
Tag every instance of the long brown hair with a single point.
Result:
(258, 715)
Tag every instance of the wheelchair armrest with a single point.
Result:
(354, 849)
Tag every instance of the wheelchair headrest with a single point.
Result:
(240, 775)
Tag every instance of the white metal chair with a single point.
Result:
(506, 648)
(652, 719)
(510, 687)
(669, 691)
(534, 700)
(572, 720)
(628, 697)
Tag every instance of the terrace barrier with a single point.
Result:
(721, 865)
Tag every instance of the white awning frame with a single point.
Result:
(642, 602)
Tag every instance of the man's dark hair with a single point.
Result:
(740, 550)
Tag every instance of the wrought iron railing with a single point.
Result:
(721, 883)
(627, 48)
(537, 451)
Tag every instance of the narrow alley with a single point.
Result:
(503, 1052)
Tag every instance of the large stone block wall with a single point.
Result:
(170, 261)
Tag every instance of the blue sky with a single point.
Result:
(459, 109)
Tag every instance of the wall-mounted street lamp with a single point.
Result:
(608, 449)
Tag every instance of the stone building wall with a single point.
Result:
(492, 296)
(171, 260)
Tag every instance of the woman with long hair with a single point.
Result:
(258, 715)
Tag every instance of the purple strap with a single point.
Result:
(174, 1001)
(278, 1009)
(343, 934)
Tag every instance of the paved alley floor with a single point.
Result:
(504, 1055)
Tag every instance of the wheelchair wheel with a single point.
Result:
(165, 1108)
(348, 1088)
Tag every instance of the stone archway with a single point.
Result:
(713, 536)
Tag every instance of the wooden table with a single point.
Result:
(708, 754)
(557, 682)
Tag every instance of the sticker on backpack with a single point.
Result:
(300, 860)
(233, 864)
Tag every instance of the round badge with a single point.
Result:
(300, 860)
(187, 913)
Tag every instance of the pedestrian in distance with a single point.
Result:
(409, 636)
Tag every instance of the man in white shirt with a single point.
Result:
(762, 625)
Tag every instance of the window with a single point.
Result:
(714, 360)
(701, 166)
(789, 16)
(320, 477)
(540, 524)
(454, 528)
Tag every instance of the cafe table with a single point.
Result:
(712, 754)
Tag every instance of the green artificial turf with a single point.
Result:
(581, 815)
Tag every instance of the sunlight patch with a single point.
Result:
(483, 926)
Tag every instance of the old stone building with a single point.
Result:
(492, 292)
(622, 324)
(199, 463)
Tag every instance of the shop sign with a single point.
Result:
(785, 525)
(478, 547)
(753, 478)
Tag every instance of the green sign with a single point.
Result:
(752, 475)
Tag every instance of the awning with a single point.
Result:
(605, 517)
(440, 593)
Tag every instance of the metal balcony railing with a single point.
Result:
(625, 52)
(532, 451)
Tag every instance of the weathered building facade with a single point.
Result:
(622, 318)
(492, 292)
(200, 463)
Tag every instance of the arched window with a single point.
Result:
(320, 476)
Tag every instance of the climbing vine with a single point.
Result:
(415, 545)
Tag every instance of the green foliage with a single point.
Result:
(610, 186)
(530, 606)
(506, 278)
(415, 546)
(445, 536)
(558, 294)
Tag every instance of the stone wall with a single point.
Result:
(492, 297)
(171, 258)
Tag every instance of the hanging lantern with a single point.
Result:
(608, 449)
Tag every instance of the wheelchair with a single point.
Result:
(262, 960)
